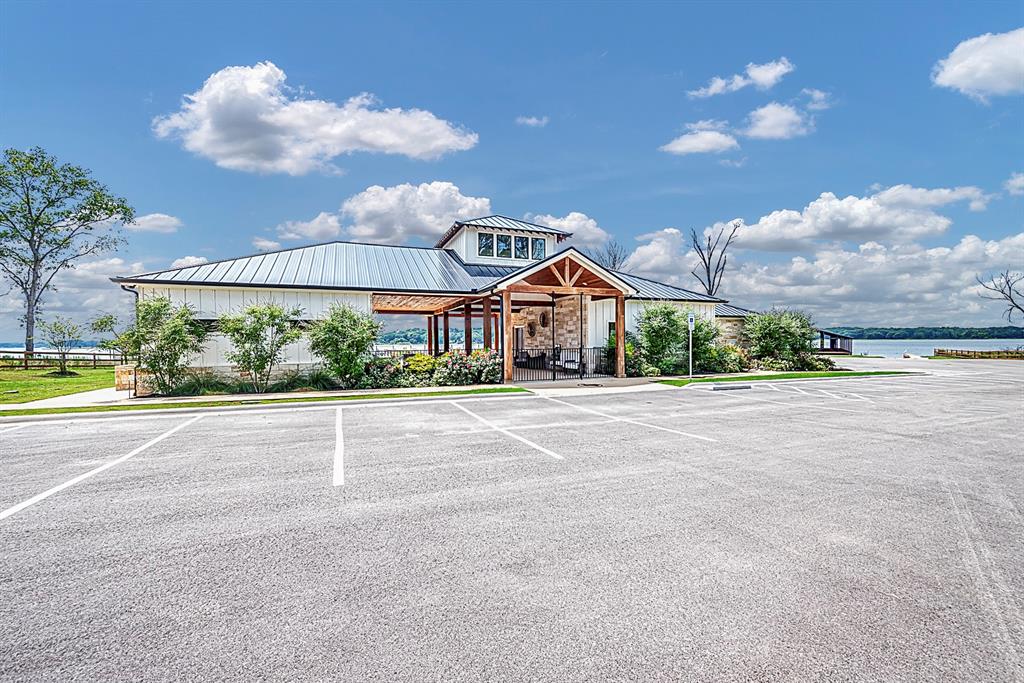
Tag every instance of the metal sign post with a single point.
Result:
(689, 337)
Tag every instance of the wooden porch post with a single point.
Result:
(447, 333)
(487, 324)
(467, 310)
(506, 317)
(437, 337)
(430, 334)
(497, 331)
(620, 336)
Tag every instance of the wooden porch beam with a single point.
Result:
(467, 312)
(540, 289)
(558, 275)
(487, 324)
(447, 333)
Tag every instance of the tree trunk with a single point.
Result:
(30, 325)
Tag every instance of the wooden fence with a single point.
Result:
(960, 353)
(46, 359)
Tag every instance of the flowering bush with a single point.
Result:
(421, 364)
(480, 367)
(384, 373)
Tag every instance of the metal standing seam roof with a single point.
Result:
(373, 267)
(501, 223)
(730, 311)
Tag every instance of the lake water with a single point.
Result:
(894, 348)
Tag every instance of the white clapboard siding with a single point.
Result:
(211, 302)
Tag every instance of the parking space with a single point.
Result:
(857, 528)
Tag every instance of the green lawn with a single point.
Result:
(20, 386)
(252, 399)
(781, 375)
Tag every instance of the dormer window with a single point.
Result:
(504, 246)
(485, 244)
(523, 247)
(538, 247)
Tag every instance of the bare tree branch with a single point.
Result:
(713, 258)
(612, 255)
(1003, 287)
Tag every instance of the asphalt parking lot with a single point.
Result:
(854, 529)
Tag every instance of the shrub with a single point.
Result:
(206, 383)
(384, 373)
(634, 357)
(62, 335)
(168, 339)
(343, 340)
(258, 336)
(486, 366)
(318, 379)
(780, 334)
(421, 364)
(664, 334)
(650, 371)
(124, 340)
(729, 358)
(661, 329)
(453, 368)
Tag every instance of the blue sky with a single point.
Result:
(919, 154)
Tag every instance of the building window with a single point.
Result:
(484, 244)
(522, 247)
(504, 246)
(538, 247)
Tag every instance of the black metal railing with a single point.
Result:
(561, 363)
(833, 344)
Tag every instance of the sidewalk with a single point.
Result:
(112, 397)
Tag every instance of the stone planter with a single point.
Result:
(130, 377)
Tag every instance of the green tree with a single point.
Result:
(51, 215)
(661, 331)
(124, 340)
(258, 336)
(168, 339)
(783, 336)
(343, 341)
(62, 335)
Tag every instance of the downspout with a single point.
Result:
(135, 315)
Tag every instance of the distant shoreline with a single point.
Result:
(930, 333)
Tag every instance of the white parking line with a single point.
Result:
(71, 482)
(506, 432)
(339, 451)
(802, 404)
(635, 422)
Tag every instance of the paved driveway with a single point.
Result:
(856, 529)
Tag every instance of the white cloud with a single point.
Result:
(186, 261)
(155, 222)
(776, 121)
(762, 76)
(733, 163)
(919, 197)
(987, 65)
(585, 230)
(323, 226)
(263, 244)
(532, 121)
(666, 256)
(245, 118)
(403, 212)
(82, 294)
(1015, 184)
(871, 284)
(818, 100)
(876, 284)
(705, 137)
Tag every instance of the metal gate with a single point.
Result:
(549, 364)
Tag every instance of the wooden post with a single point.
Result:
(497, 331)
(447, 333)
(437, 337)
(430, 334)
(620, 336)
(467, 311)
(487, 323)
(506, 317)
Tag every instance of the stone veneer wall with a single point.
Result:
(567, 324)
(732, 331)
